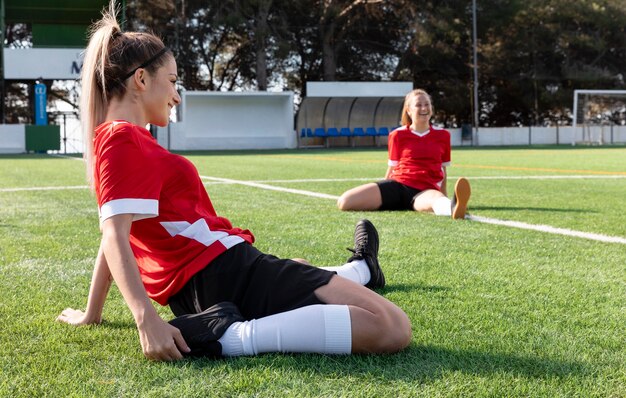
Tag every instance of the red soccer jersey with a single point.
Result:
(175, 232)
(419, 159)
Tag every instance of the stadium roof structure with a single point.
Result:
(52, 11)
(54, 23)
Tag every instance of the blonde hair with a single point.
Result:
(111, 57)
(406, 119)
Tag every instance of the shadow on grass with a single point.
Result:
(549, 209)
(117, 325)
(416, 364)
(435, 360)
(411, 287)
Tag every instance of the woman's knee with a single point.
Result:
(396, 333)
(344, 203)
(365, 197)
(389, 331)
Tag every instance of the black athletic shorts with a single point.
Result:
(396, 196)
(259, 284)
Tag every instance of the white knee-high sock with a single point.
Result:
(442, 206)
(356, 270)
(321, 328)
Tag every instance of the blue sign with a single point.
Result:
(41, 114)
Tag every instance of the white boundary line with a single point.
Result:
(372, 179)
(59, 155)
(43, 188)
(513, 224)
(548, 229)
(215, 180)
(256, 184)
(272, 188)
(557, 177)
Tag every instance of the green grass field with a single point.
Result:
(496, 310)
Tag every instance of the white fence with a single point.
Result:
(241, 129)
(504, 136)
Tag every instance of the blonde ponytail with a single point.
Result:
(94, 97)
(110, 59)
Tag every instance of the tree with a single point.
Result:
(211, 43)
(532, 72)
(337, 18)
(532, 53)
(255, 15)
(437, 56)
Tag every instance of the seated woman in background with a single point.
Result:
(416, 177)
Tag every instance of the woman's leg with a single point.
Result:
(363, 267)
(434, 201)
(353, 319)
(377, 324)
(317, 328)
(364, 197)
(341, 316)
(426, 199)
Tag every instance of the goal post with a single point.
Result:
(593, 111)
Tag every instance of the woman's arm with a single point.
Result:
(100, 284)
(159, 340)
(444, 183)
(389, 172)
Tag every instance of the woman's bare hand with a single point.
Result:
(76, 318)
(161, 341)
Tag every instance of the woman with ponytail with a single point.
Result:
(162, 240)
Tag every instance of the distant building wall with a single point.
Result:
(232, 120)
(12, 138)
(358, 89)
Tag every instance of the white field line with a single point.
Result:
(373, 179)
(58, 155)
(539, 177)
(43, 188)
(513, 224)
(215, 180)
(557, 177)
(548, 229)
(272, 188)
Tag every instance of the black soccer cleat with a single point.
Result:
(201, 331)
(462, 192)
(366, 248)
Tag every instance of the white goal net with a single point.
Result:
(597, 114)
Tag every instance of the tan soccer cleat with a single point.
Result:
(462, 192)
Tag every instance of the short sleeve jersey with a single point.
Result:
(175, 231)
(419, 159)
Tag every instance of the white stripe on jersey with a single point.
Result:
(200, 232)
(140, 208)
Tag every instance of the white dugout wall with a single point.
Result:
(12, 138)
(232, 120)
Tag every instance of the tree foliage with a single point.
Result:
(532, 54)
